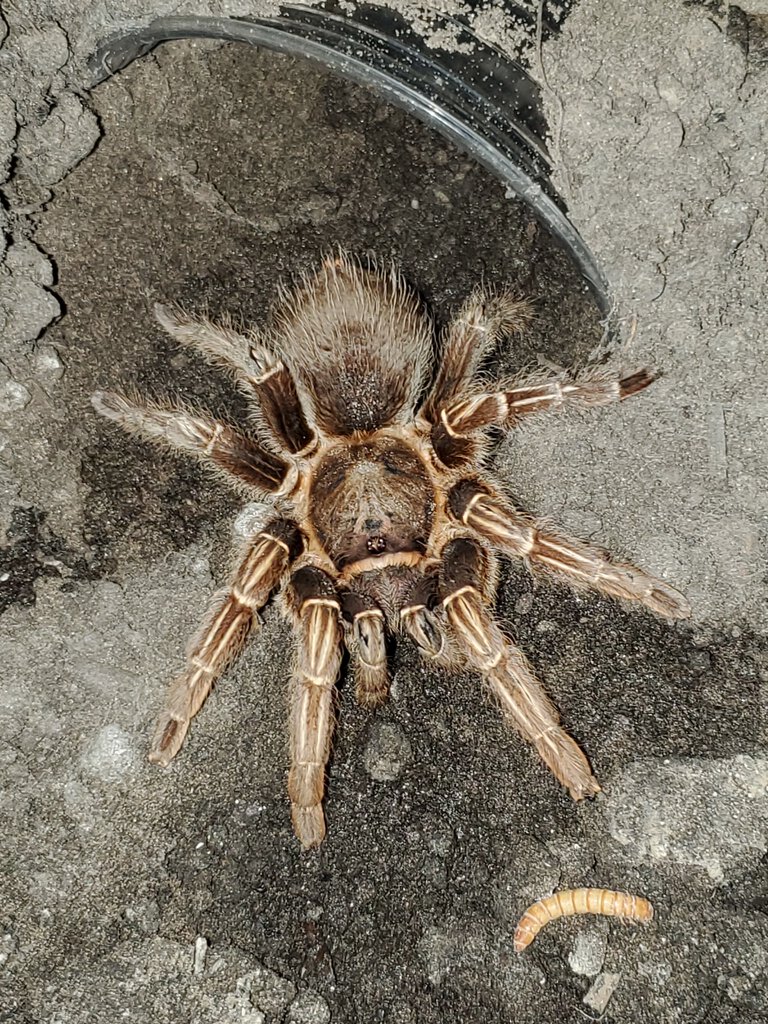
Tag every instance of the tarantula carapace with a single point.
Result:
(384, 520)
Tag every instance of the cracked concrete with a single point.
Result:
(208, 173)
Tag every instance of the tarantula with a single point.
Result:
(384, 520)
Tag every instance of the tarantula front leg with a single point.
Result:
(221, 639)
(464, 566)
(367, 645)
(217, 443)
(312, 599)
(260, 373)
(580, 564)
(505, 408)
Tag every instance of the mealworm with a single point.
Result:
(579, 901)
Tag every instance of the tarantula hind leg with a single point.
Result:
(312, 599)
(505, 668)
(221, 639)
(580, 564)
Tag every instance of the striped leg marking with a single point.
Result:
(506, 669)
(260, 373)
(368, 649)
(312, 596)
(225, 633)
(580, 564)
(507, 408)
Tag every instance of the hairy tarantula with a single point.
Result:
(384, 521)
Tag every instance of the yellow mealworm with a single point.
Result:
(579, 901)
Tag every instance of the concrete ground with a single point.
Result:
(210, 173)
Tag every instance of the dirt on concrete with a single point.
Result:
(215, 173)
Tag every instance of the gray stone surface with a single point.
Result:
(667, 181)
(387, 752)
(309, 1008)
(664, 812)
(209, 174)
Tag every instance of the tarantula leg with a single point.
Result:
(260, 373)
(507, 408)
(368, 648)
(582, 565)
(221, 639)
(209, 440)
(481, 321)
(425, 628)
(506, 669)
(312, 598)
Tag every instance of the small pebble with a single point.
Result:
(309, 1008)
(201, 951)
(8, 946)
(267, 990)
(47, 362)
(737, 987)
(700, 661)
(387, 753)
(588, 951)
(601, 991)
(13, 397)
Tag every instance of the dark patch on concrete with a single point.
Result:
(35, 550)
(693, 696)
(144, 499)
(750, 31)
